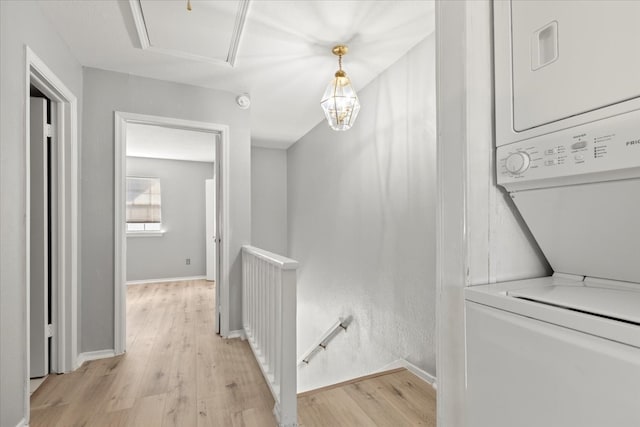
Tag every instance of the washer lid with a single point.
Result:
(617, 304)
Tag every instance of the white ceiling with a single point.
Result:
(160, 142)
(284, 58)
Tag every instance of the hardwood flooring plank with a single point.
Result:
(354, 380)
(369, 398)
(60, 390)
(81, 411)
(333, 407)
(394, 399)
(253, 417)
(47, 416)
(403, 393)
(212, 414)
(126, 386)
(181, 405)
(109, 419)
(147, 411)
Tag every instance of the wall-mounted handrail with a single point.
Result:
(325, 339)
(269, 322)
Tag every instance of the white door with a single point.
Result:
(39, 240)
(210, 229)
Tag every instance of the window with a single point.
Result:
(143, 204)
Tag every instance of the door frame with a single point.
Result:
(120, 243)
(65, 279)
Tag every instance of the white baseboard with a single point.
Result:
(22, 423)
(93, 355)
(402, 363)
(237, 334)
(165, 280)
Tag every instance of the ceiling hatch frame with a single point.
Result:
(145, 42)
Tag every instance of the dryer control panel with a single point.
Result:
(598, 151)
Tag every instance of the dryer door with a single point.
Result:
(572, 57)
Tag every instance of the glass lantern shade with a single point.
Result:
(340, 103)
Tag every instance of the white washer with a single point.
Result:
(553, 352)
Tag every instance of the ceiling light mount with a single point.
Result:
(340, 102)
(340, 50)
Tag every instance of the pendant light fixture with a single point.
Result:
(340, 102)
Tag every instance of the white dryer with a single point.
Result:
(564, 350)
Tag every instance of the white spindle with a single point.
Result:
(269, 319)
(267, 341)
(272, 323)
(254, 299)
(278, 295)
(249, 291)
(244, 292)
(261, 308)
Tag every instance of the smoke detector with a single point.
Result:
(243, 101)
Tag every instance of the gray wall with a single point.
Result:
(269, 199)
(20, 23)
(183, 219)
(106, 92)
(361, 212)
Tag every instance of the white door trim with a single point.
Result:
(121, 121)
(66, 301)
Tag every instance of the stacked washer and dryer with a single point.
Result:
(564, 350)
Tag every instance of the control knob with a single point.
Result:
(517, 162)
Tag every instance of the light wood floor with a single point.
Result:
(177, 372)
(392, 399)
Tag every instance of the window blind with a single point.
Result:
(143, 200)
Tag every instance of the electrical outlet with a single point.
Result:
(188, 261)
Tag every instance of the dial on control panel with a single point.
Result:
(518, 162)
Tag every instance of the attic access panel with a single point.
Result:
(210, 32)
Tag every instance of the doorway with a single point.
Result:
(220, 176)
(51, 207)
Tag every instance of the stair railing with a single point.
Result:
(269, 322)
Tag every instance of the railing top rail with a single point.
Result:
(278, 260)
